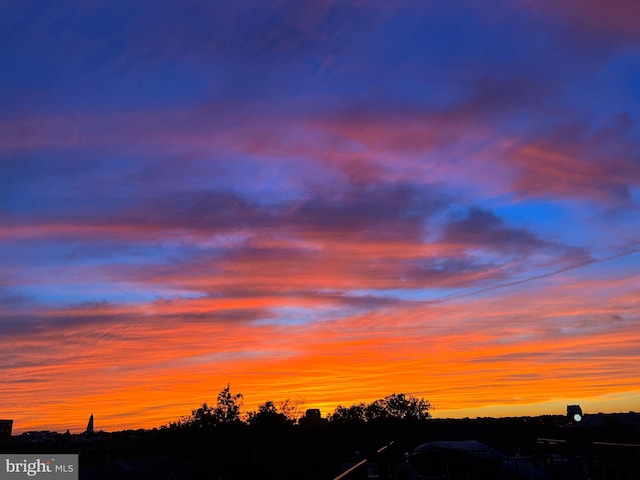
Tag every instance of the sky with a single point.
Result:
(325, 201)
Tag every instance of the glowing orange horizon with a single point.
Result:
(461, 355)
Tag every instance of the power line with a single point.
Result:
(532, 278)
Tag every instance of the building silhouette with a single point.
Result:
(5, 429)
(574, 413)
(313, 414)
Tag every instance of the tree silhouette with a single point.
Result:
(227, 410)
(395, 406)
(406, 407)
(292, 409)
(268, 416)
(352, 414)
(228, 407)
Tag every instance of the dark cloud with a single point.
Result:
(226, 316)
(11, 300)
(483, 229)
(456, 272)
(38, 324)
(374, 212)
(215, 211)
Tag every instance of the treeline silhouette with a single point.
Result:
(280, 441)
(276, 440)
(228, 410)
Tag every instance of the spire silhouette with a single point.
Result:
(90, 424)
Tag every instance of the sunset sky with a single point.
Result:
(327, 201)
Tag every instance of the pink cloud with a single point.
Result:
(621, 17)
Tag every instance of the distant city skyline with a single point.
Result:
(327, 202)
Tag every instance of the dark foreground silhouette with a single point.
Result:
(393, 438)
(603, 447)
